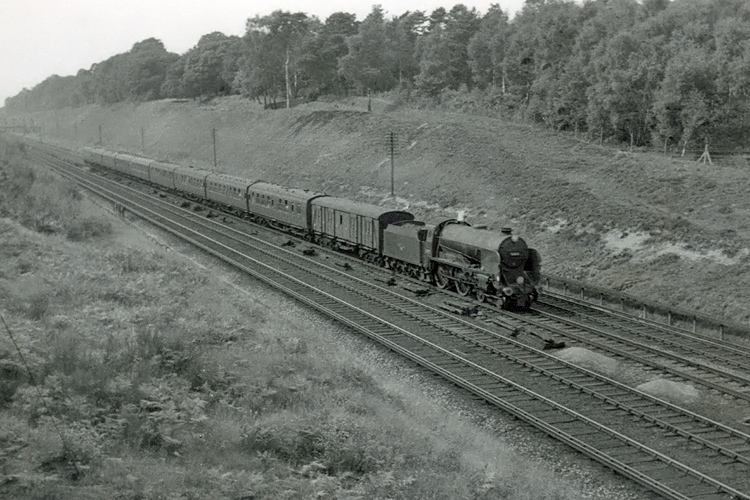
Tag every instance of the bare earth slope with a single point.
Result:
(672, 230)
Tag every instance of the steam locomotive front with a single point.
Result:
(519, 272)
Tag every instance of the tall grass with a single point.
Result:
(159, 381)
(44, 202)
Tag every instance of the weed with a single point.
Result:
(38, 305)
(86, 228)
(12, 375)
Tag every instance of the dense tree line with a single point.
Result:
(663, 73)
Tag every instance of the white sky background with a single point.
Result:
(40, 38)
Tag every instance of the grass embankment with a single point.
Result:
(158, 380)
(660, 228)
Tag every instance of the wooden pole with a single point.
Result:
(706, 156)
(213, 136)
(392, 141)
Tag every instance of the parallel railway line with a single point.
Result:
(666, 337)
(722, 368)
(688, 456)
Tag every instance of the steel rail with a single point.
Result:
(681, 373)
(678, 338)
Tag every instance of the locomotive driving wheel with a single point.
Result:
(443, 277)
(462, 287)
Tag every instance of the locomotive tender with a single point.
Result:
(493, 267)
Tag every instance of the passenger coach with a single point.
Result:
(281, 207)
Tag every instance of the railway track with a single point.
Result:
(665, 337)
(687, 358)
(663, 447)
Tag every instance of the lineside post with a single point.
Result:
(213, 137)
(392, 147)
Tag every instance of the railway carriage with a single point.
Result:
(228, 190)
(133, 165)
(281, 207)
(352, 226)
(191, 181)
(92, 155)
(162, 173)
(107, 160)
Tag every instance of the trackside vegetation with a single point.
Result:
(670, 75)
(137, 383)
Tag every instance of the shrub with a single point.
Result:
(87, 228)
(12, 375)
(38, 306)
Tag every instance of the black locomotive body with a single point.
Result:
(473, 261)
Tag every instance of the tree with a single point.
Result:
(174, 80)
(320, 55)
(366, 65)
(487, 49)
(401, 39)
(444, 50)
(146, 67)
(687, 101)
(277, 41)
(210, 67)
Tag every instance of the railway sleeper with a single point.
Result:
(729, 441)
(679, 420)
(496, 388)
(742, 450)
(669, 475)
(561, 419)
(616, 393)
(519, 398)
(607, 443)
(551, 414)
(640, 405)
(700, 488)
(636, 458)
(578, 431)
(651, 466)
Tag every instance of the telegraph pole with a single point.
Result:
(392, 146)
(213, 136)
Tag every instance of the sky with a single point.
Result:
(40, 38)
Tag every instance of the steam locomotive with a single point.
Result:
(450, 253)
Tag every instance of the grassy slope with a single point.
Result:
(670, 229)
(160, 391)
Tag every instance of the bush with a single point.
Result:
(88, 228)
(45, 203)
(38, 306)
